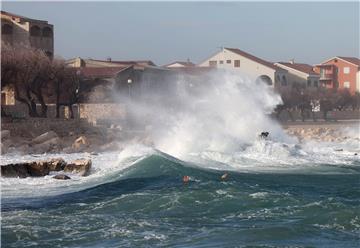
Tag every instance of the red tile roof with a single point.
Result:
(308, 69)
(254, 58)
(100, 72)
(352, 60)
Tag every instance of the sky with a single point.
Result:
(176, 31)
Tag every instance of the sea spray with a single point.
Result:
(218, 111)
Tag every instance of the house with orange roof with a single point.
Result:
(340, 73)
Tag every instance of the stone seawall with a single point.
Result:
(32, 127)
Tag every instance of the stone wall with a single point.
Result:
(20, 110)
(33, 127)
(97, 113)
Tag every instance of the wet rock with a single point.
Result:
(80, 166)
(61, 177)
(44, 137)
(15, 170)
(38, 169)
(56, 164)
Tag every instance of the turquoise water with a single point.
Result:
(148, 205)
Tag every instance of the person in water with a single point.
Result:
(186, 179)
(224, 176)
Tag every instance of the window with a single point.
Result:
(221, 62)
(6, 29)
(213, 63)
(347, 85)
(322, 72)
(278, 80)
(236, 63)
(228, 61)
(346, 70)
(35, 31)
(316, 83)
(308, 83)
(47, 32)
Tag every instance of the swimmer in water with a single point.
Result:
(186, 179)
(224, 177)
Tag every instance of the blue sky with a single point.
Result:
(167, 31)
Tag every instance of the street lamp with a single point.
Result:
(129, 81)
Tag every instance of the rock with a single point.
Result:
(81, 143)
(44, 137)
(62, 177)
(56, 164)
(81, 166)
(48, 146)
(5, 145)
(15, 170)
(42, 168)
(5, 134)
(38, 169)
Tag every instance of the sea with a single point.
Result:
(274, 195)
(242, 190)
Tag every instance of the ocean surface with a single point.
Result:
(275, 195)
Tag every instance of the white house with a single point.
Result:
(250, 65)
(300, 74)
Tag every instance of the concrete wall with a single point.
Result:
(247, 67)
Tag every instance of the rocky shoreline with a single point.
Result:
(80, 167)
(51, 142)
(324, 132)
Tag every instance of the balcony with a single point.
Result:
(326, 76)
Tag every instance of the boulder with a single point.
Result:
(42, 168)
(81, 143)
(80, 166)
(5, 134)
(15, 170)
(38, 169)
(61, 177)
(56, 164)
(44, 137)
(48, 146)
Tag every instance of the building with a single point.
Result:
(340, 73)
(20, 30)
(300, 75)
(180, 64)
(80, 62)
(255, 68)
